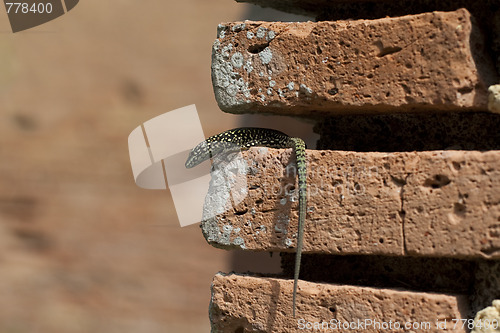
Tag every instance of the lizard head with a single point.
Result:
(207, 150)
(198, 154)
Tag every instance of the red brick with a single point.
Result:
(411, 63)
(435, 204)
(251, 304)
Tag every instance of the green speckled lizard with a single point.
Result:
(246, 137)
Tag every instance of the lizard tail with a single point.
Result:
(300, 153)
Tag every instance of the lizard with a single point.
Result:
(246, 137)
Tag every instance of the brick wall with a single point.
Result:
(403, 221)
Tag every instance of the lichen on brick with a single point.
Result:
(261, 32)
(305, 89)
(330, 63)
(270, 35)
(228, 187)
(228, 82)
(237, 59)
(238, 27)
(266, 56)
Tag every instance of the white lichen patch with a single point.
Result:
(261, 32)
(224, 237)
(282, 222)
(291, 86)
(226, 50)
(238, 27)
(238, 241)
(305, 89)
(228, 178)
(270, 91)
(237, 60)
(283, 201)
(227, 187)
(270, 35)
(216, 45)
(272, 83)
(288, 242)
(250, 35)
(266, 56)
(240, 82)
(229, 85)
(221, 31)
(248, 66)
(232, 90)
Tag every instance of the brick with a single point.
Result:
(452, 204)
(431, 203)
(411, 63)
(252, 304)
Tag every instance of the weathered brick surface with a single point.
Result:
(452, 204)
(437, 204)
(251, 304)
(419, 62)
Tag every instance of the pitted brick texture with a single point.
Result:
(411, 63)
(452, 204)
(251, 304)
(436, 204)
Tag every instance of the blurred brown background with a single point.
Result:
(82, 248)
